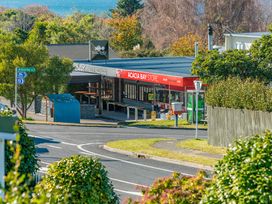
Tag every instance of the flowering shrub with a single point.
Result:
(176, 189)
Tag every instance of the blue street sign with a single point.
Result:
(21, 75)
(20, 81)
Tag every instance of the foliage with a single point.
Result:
(239, 94)
(245, 173)
(77, 28)
(185, 46)
(213, 66)
(78, 179)
(176, 189)
(57, 73)
(29, 160)
(126, 8)
(142, 53)
(261, 51)
(126, 32)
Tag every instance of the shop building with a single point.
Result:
(138, 85)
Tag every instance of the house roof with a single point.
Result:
(248, 35)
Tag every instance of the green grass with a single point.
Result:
(145, 146)
(201, 145)
(163, 124)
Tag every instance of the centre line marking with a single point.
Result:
(129, 192)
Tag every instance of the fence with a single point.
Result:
(226, 124)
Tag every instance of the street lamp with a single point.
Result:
(198, 86)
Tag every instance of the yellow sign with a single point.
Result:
(153, 115)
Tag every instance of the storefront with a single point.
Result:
(142, 83)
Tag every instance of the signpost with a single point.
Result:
(20, 75)
(198, 86)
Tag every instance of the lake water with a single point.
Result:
(65, 7)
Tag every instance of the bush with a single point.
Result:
(78, 179)
(244, 175)
(238, 94)
(176, 189)
(29, 161)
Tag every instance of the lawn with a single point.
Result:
(145, 146)
(162, 124)
(201, 145)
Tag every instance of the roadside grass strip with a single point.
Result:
(201, 145)
(163, 124)
(145, 146)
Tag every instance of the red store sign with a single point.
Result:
(157, 78)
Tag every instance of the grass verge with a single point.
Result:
(162, 124)
(145, 146)
(201, 145)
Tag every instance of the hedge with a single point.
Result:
(240, 94)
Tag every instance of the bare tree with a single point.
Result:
(165, 21)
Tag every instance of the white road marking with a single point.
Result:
(129, 192)
(53, 146)
(127, 182)
(46, 163)
(121, 160)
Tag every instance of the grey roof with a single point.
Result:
(172, 66)
(250, 35)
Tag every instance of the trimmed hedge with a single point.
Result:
(78, 179)
(244, 175)
(240, 94)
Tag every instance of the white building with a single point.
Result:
(242, 41)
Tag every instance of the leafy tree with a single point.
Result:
(244, 175)
(78, 179)
(126, 32)
(57, 73)
(261, 51)
(185, 46)
(213, 66)
(126, 8)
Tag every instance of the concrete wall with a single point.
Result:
(226, 124)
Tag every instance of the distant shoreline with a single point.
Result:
(65, 7)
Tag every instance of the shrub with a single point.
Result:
(29, 161)
(239, 94)
(176, 189)
(78, 179)
(244, 175)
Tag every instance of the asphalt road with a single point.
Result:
(126, 173)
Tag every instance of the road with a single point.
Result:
(126, 173)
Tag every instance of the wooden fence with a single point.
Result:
(226, 124)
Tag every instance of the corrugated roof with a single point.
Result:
(173, 66)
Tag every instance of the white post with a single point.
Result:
(15, 94)
(2, 167)
(198, 85)
(136, 114)
(196, 135)
(144, 115)
(128, 113)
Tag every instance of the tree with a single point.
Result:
(57, 73)
(126, 32)
(261, 51)
(126, 8)
(213, 66)
(185, 46)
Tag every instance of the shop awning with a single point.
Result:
(83, 77)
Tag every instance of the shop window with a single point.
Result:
(130, 91)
